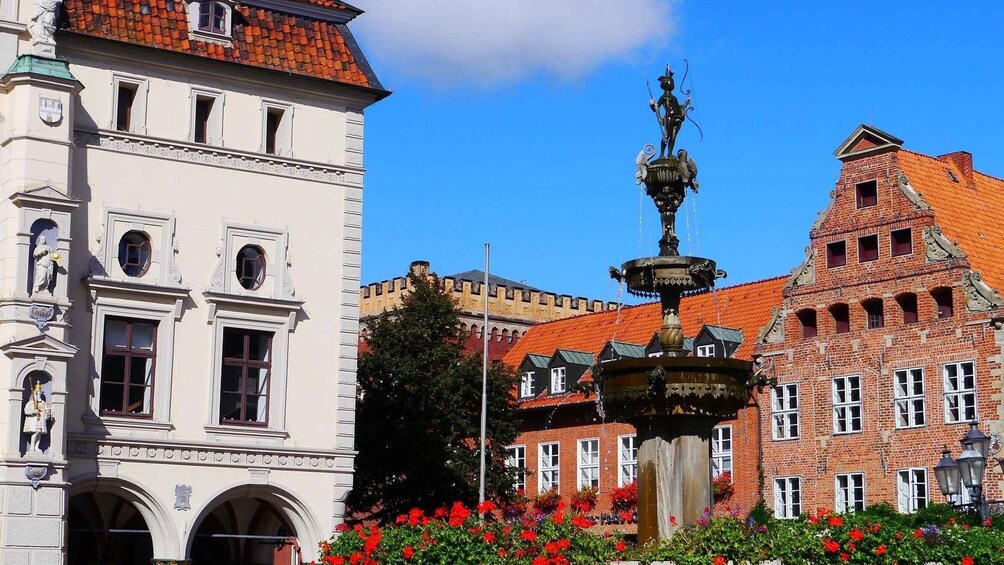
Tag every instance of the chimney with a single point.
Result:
(963, 160)
(420, 268)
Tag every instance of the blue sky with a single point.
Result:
(517, 123)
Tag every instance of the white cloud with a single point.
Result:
(493, 42)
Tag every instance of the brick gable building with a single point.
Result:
(888, 342)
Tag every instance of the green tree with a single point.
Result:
(418, 417)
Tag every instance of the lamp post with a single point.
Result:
(968, 468)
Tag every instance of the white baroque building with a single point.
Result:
(169, 168)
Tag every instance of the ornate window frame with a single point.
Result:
(163, 270)
(214, 127)
(284, 135)
(137, 117)
(194, 32)
(165, 314)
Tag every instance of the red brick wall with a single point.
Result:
(880, 449)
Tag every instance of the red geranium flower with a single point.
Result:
(831, 545)
(967, 560)
(528, 535)
(835, 521)
(845, 557)
(620, 546)
(489, 537)
(408, 552)
(880, 550)
(856, 534)
(719, 560)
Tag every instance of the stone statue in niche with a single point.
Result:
(45, 265)
(36, 418)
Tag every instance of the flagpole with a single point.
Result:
(484, 380)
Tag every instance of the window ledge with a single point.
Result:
(105, 424)
(140, 289)
(287, 306)
(246, 434)
(211, 37)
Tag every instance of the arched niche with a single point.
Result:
(42, 227)
(28, 384)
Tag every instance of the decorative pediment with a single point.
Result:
(979, 296)
(867, 140)
(773, 332)
(805, 274)
(938, 247)
(44, 197)
(43, 345)
(912, 195)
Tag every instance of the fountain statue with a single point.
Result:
(674, 401)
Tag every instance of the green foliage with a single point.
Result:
(760, 513)
(419, 411)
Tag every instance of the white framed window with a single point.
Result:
(721, 450)
(911, 487)
(627, 460)
(787, 497)
(557, 380)
(909, 397)
(276, 128)
(850, 492)
(210, 19)
(549, 472)
(526, 385)
(206, 119)
(589, 463)
(847, 404)
(706, 350)
(516, 459)
(128, 104)
(960, 391)
(784, 409)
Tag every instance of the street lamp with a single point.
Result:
(969, 467)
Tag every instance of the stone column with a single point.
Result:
(674, 473)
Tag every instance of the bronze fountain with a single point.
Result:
(673, 400)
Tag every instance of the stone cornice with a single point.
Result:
(219, 157)
(208, 454)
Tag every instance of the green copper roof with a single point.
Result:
(35, 65)
(725, 334)
(539, 361)
(575, 357)
(627, 349)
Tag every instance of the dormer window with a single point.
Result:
(557, 380)
(706, 350)
(213, 17)
(526, 385)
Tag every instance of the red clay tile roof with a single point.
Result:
(968, 214)
(745, 306)
(265, 38)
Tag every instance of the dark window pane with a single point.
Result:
(808, 320)
(137, 400)
(113, 368)
(258, 349)
(272, 119)
(230, 406)
(140, 370)
(867, 194)
(111, 397)
(908, 303)
(836, 254)
(868, 248)
(123, 114)
(233, 343)
(231, 381)
(901, 242)
(251, 267)
(841, 318)
(875, 313)
(203, 109)
(254, 404)
(943, 300)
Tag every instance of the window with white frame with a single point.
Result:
(787, 497)
(627, 460)
(911, 487)
(784, 408)
(206, 122)
(847, 404)
(516, 459)
(706, 350)
(526, 384)
(129, 104)
(548, 474)
(850, 492)
(210, 18)
(960, 391)
(589, 463)
(909, 397)
(721, 451)
(277, 128)
(557, 380)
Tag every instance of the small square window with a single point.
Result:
(901, 242)
(873, 308)
(867, 194)
(706, 350)
(836, 254)
(868, 248)
(841, 318)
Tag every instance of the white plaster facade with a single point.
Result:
(198, 204)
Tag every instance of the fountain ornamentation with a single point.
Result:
(674, 401)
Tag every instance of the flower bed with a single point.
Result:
(876, 536)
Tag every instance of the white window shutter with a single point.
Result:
(903, 490)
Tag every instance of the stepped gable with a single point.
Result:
(317, 45)
(745, 307)
(967, 208)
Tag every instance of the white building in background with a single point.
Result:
(185, 163)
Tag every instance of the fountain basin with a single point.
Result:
(649, 276)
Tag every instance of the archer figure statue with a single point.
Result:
(669, 112)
